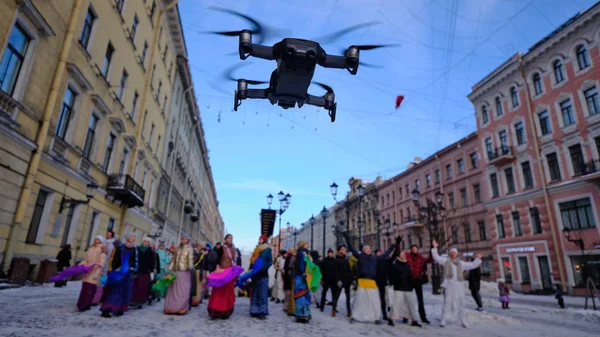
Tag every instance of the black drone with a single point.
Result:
(296, 62)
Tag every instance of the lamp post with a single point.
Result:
(334, 190)
(376, 212)
(579, 242)
(324, 214)
(361, 192)
(312, 225)
(295, 235)
(431, 213)
(66, 202)
(388, 232)
(284, 203)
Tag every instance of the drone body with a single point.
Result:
(297, 60)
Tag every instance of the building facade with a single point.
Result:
(311, 231)
(84, 96)
(454, 171)
(538, 119)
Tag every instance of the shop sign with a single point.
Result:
(520, 250)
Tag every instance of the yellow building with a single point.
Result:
(84, 95)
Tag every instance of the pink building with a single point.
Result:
(455, 171)
(538, 119)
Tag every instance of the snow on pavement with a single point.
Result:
(47, 311)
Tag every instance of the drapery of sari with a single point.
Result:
(302, 295)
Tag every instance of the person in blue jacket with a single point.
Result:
(259, 300)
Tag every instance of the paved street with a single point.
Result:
(48, 311)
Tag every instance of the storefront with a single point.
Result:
(526, 265)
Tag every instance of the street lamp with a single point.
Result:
(66, 202)
(295, 235)
(388, 231)
(324, 214)
(430, 214)
(312, 225)
(334, 190)
(269, 200)
(579, 242)
(377, 215)
(361, 192)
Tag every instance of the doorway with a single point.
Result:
(545, 273)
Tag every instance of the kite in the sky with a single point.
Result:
(399, 100)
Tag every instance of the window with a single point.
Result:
(165, 53)
(537, 83)
(437, 176)
(164, 107)
(170, 70)
(477, 193)
(536, 223)
(449, 171)
(567, 112)
(109, 149)
(418, 185)
(592, 100)
(559, 75)
(489, 147)
(134, 27)
(499, 111)
(524, 265)
(407, 190)
(92, 229)
(144, 176)
(123, 161)
(474, 161)
(65, 113)
(577, 159)
(527, 174)
(455, 235)
(545, 126)
(151, 133)
(119, 5)
(122, 84)
(461, 166)
(451, 199)
(500, 224)
(89, 139)
(428, 180)
(553, 166)
(467, 233)
(68, 224)
(144, 54)
(159, 89)
(110, 50)
(144, 121)
(88, 24)
(484, 115)
(158, 144)
(111, 225)
(520, 132)
(420, 238)
(400, 193)
(514, 97)
(510, 180)
(152, 10)
(13, 58)
(494, 183)
(136, 96)
(152, 77)
(582, 57)
(387, 197)
(36, 217)
(482, 231)
(463, 197)
(503, 135)
(578, 262)
(577, 214)
(516, 218)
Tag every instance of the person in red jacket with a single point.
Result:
(417, 266)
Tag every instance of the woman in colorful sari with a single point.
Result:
(177, 301)
(259, 301)
(141, 284)
(164, 260)
(119, 283)
(95, 256)
(109, 246)
(288, 281)
(302, 297)
(222, 299)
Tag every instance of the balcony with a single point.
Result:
(411, 222)
(588, 171)
(501, 155)
(8, 106)
(123, 188)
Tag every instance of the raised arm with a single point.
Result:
(386, 254)
(354, 252)
(473, 264)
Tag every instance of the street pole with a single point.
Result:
(279, 248)
(360, 223)
(378, 233)
(324, 220)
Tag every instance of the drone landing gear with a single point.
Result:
(332, 112)
(236, 100)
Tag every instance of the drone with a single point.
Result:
(296, 62)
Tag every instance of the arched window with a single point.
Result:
(484, 115)
(537, 83)
(559, 75)
(499, 111)
(514, 96)
(582, 57)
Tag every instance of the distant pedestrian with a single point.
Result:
(419, 276)
(504, 294)
(330, 271)
(64, 261)
(559, 296)
(475, 286)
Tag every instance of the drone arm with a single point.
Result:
(333, 61)
(262, 52)
(257, 93)
(316, 100)
(325, 102)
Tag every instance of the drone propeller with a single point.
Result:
(336, 35)
(324, 86)
(372, 46)
(257, 28)
(370, 65)
(228, 74)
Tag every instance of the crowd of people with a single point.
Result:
(378, 285)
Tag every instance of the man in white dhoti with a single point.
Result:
(454, 291)
(278, 294)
